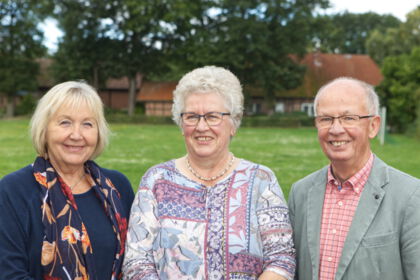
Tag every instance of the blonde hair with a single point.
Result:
(73, 94)
(210, 79)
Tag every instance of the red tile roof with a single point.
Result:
(121, 83)
(322, 68)
(156, 91)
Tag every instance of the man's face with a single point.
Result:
(344, 145)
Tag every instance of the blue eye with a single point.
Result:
(325, 119)
(212, 116)
(191, 116)
(65, 122)
(349, 118)
(88, 124)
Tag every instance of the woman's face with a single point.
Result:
(72, 136)
(202, 140)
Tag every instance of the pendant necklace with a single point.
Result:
(80, 179)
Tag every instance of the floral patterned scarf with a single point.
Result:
(67, 252)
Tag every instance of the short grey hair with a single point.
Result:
(73, 94)
(210, 79)
(372, 99)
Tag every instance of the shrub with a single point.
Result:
(283, 120)
(277, 120)
(26, 106)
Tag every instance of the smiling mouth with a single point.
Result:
(203, 138)
(338, 143)
(74, 148)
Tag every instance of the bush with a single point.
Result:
(277, 120)
(417, 123)
(398, 89)
(26, 106)
(283, 120)
(122, 117)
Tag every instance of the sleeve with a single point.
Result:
(14, 259)
(142, 230)
(410, 237)
(126, 191)
(291, 204)
(276, 231)
(292, 209)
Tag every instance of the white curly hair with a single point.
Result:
(210, 79)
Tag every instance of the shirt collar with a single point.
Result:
(355, 182)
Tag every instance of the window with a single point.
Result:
(254, 108)
(308, 108)
(279, 107)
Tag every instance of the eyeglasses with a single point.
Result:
(211, 118)
(345, 121)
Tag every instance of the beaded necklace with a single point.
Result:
(207, 179)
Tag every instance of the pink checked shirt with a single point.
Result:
(337, 215)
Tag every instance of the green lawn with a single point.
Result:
(290, 153)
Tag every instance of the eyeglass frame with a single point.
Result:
(204, 117)
(339, 118)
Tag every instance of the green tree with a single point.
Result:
(395, 40)
(148, 32)
(347, 32)
(255, 40)
(382, 44)
(417, 127)
(86, 52)
(160, 39)
(121, 38)
(399, 90)
(21, 44)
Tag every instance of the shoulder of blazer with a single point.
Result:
(315, 177)
(392, 179)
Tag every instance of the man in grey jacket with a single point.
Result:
(357, 218)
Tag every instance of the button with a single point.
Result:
(334, 231)
(329, 259)
(340, 203)
(356, 189)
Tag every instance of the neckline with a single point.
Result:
(86, 193)
(212, 178)
(201, 184)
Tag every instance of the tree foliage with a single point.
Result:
(121, 38)
(255, 40)
(161, 39)
(395, 40)
(347, 32)
(398, 51)
(148, 32)
(400, 88)
(86, 51)
(20, 45)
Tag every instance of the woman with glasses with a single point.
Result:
(209, 214)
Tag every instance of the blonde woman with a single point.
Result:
(63, 216)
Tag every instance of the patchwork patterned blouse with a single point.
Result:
(180, 229)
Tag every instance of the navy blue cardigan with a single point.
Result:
(21, 228)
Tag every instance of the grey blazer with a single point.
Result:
(383, 241)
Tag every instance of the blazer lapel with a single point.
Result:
(370, 200)
(314, 213)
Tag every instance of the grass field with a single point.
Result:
(290, 153)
